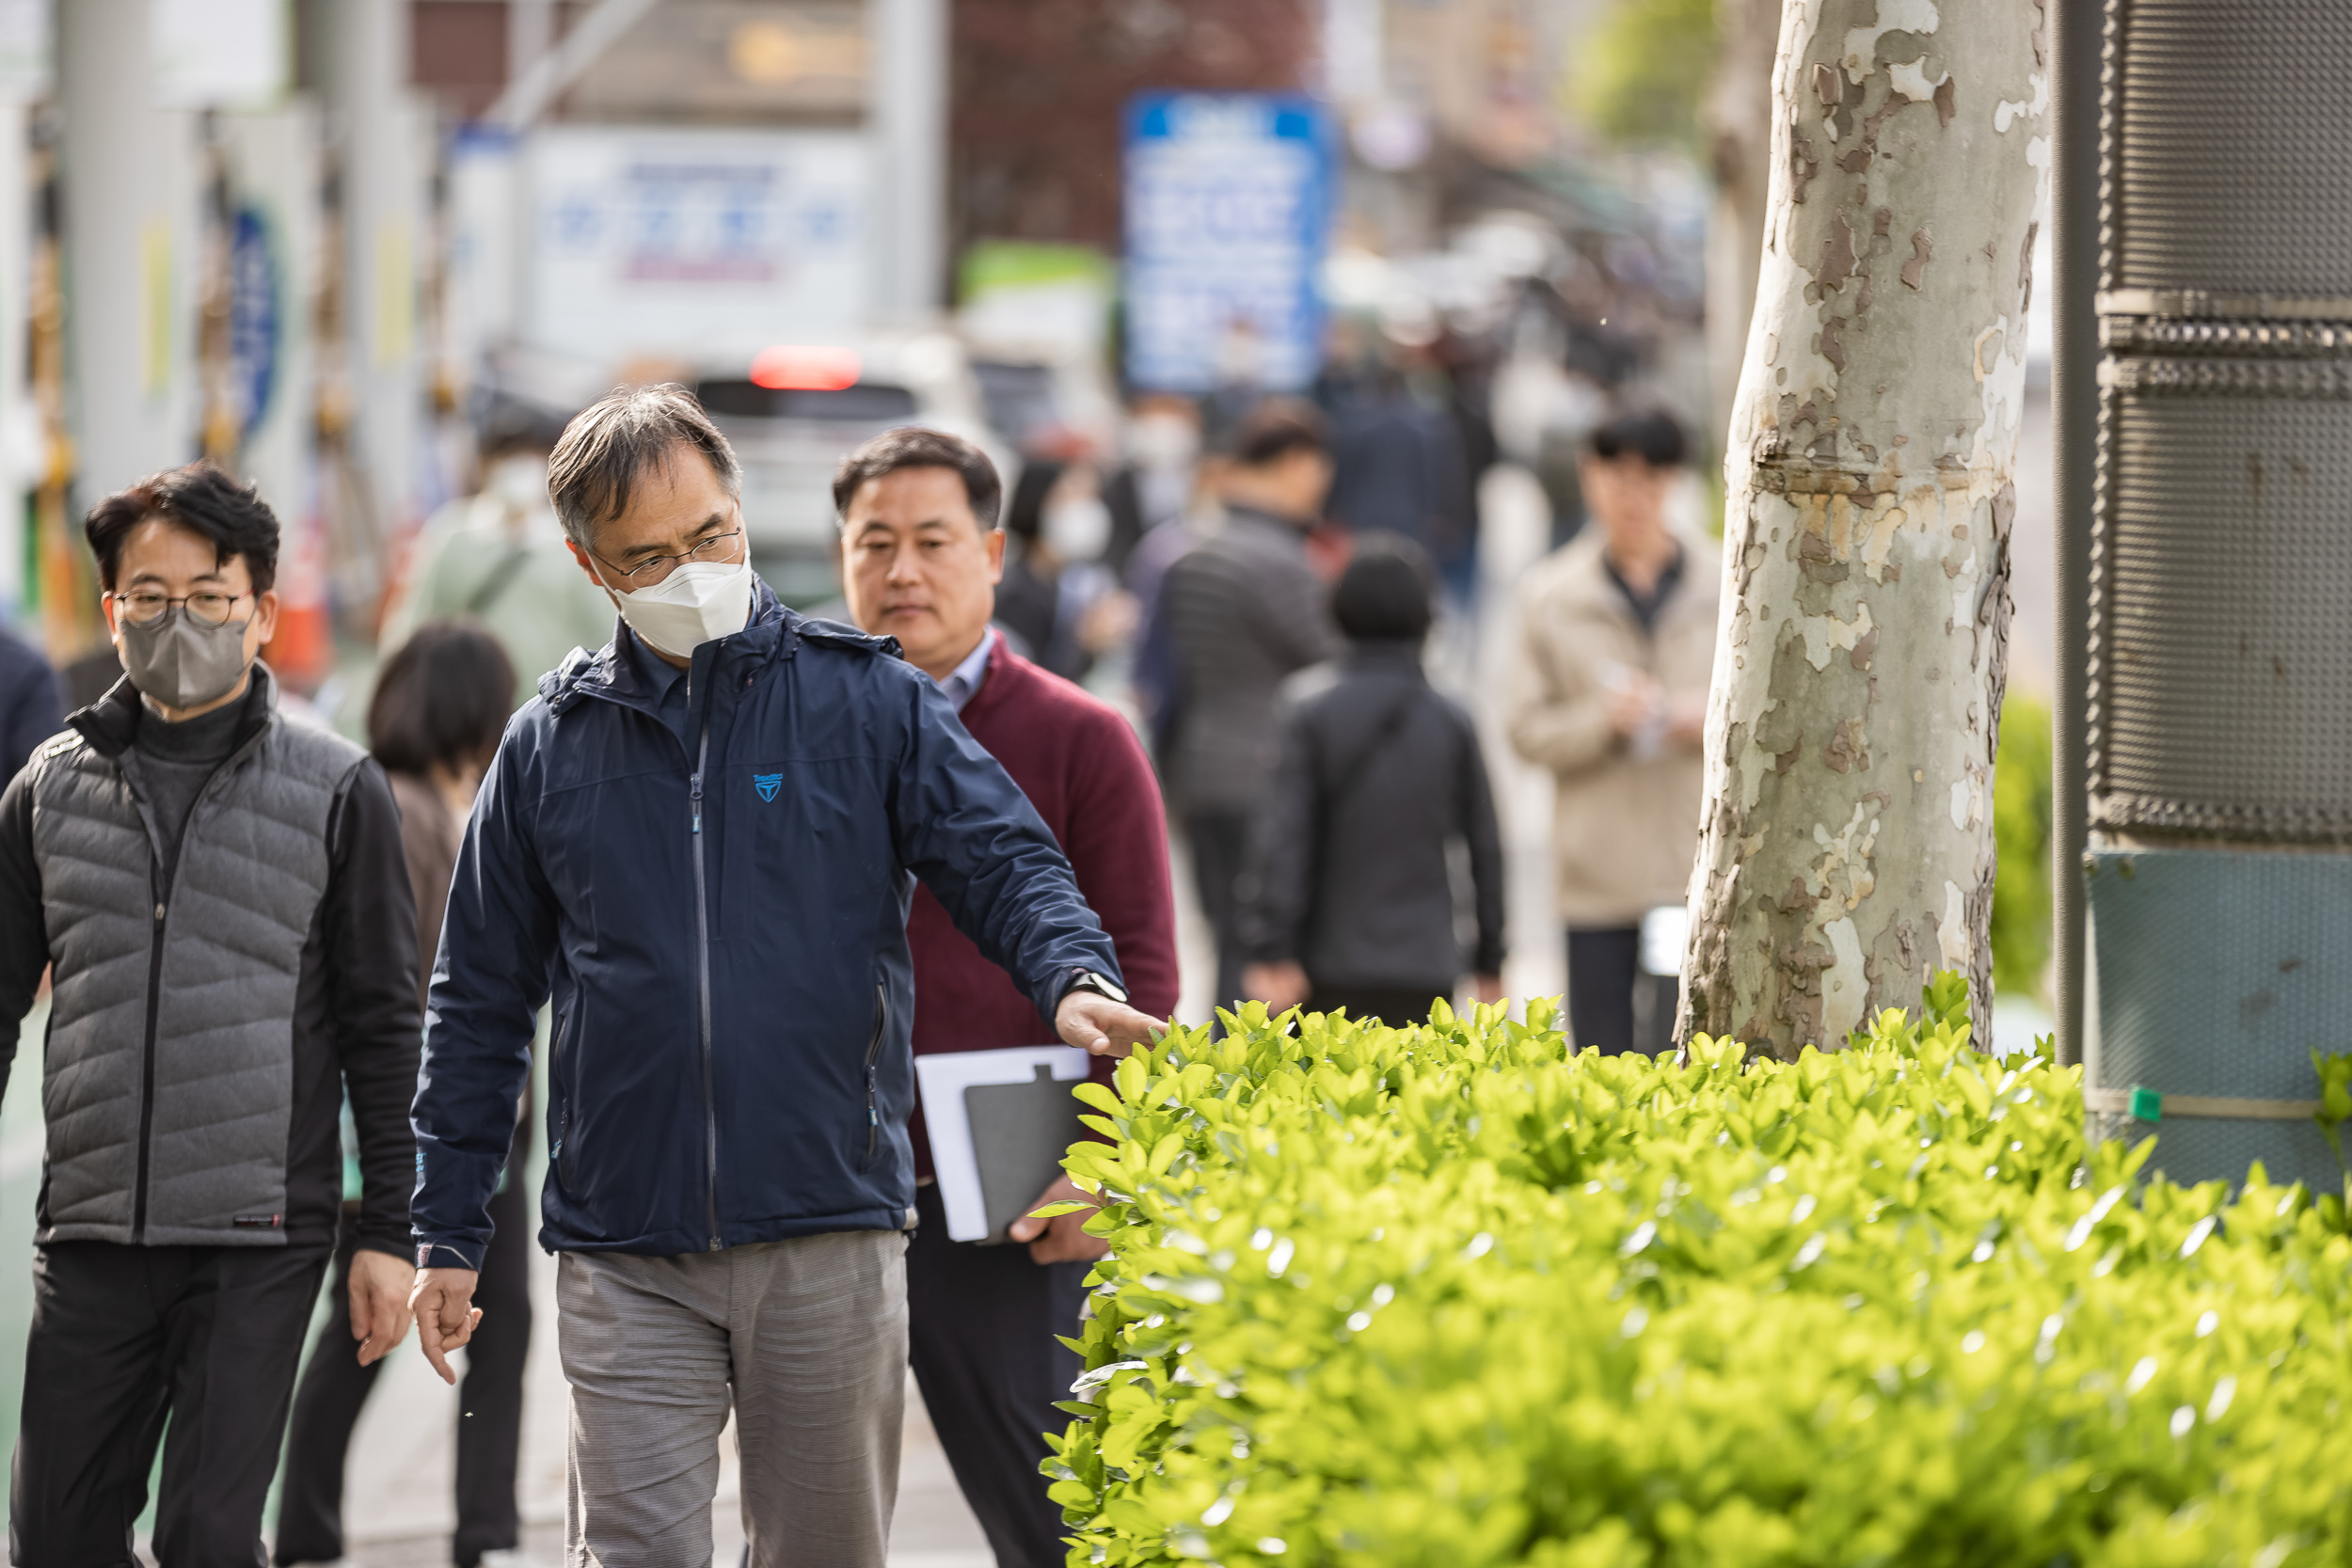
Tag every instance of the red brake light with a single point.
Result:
(789, 367)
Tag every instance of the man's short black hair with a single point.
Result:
(442, 698)
(198, 497)
(1387, 592)
(1275, 429)
(915, 446)
(615, 441)
(1651, 435)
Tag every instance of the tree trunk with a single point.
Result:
(1848, 843)
(1738, 122)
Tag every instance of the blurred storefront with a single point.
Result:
(322, 241)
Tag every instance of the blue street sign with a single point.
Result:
(254, 327)
(1229, 203)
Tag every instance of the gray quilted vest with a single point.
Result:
(169, 1082)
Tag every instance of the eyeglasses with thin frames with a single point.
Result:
(655, 568)
(144, 606)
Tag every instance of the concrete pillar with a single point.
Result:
(908, 115)
(21, 447)
(274, 170)
(128, 249)
(381, 137)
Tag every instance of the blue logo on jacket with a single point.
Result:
(766, 783)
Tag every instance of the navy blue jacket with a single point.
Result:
(722, 927)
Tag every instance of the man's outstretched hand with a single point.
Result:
(446, 1315)
(380, 1283)
(1094, 1022)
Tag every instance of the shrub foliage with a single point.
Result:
(1450, 1297)
(2021, 834)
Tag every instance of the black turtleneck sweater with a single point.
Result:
(175, 763)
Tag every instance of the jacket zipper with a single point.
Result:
(155, 978)
(702, 963)
(558, 1057)
(146, 1068)
(873, 1053)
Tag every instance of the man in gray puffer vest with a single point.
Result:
(221, 896)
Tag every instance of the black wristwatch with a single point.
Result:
(1087, 980)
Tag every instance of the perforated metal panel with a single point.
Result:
(2229, 141)
(2220, 623)
(2227, 636)
(2219, 710)
(2220, 973)
(2190, 1149)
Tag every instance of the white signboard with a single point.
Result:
(698, 245)
(25, 49)
(217, 53)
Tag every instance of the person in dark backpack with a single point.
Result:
(1354, 900)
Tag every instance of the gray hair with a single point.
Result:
(612, 445)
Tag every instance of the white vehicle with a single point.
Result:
(794, 411)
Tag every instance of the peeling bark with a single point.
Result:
(1847, 846)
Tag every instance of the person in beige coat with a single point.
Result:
(1610, 693)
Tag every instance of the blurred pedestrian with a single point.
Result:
(1399, 465)
(1057, 596)
(701, 840)
(918, 514)
(498, 556)
(1170, 475)
(30, 711)
(222, 896)
(440, 702)
(1617, 646)
(1381, 781)
(1242, 612)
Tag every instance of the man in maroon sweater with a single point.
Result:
(921, 554)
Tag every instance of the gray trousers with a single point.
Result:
(806, 1339)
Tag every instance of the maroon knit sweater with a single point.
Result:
(1081, 765)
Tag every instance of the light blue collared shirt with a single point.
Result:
(965, 678)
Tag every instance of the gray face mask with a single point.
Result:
(180, 662)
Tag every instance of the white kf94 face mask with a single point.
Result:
(697, 603)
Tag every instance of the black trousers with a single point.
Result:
(1220, 854)
(983, 1320)
(1612, 1004)
(1398, 1006)
(490, 1398)
(124, 1337)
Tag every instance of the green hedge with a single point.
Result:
(2021, 834)
(1449, 1297)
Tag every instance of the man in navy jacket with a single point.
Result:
(701, 841)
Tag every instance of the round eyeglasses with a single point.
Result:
(144, 606)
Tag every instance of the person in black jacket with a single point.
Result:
(221, 896)
(1354, 903)
(30, 712)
